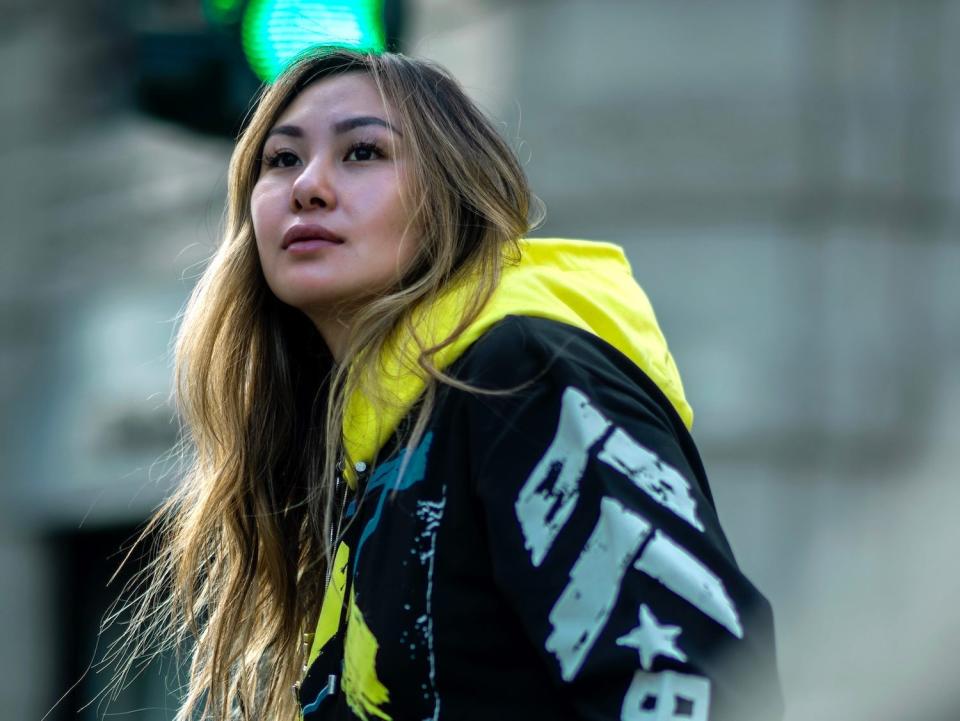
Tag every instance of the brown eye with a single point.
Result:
(363, 151)
(281, 159)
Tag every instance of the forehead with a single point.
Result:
(353, 93)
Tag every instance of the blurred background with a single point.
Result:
(785, 177)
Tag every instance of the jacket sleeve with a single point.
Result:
(605, 541)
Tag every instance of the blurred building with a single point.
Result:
(785, 175)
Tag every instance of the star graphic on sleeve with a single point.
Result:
(651, 639)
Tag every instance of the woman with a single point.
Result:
(440, 471)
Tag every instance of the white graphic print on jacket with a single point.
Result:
(545, 504)
(666, 696)
(587, 601)
(543, 507)
(677, 569)
(651, 639)
(550, 493)
(430, 513)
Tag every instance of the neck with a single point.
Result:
(334, 331)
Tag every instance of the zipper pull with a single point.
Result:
(325, 692)
(305, 645)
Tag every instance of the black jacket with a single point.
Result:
(548, 553)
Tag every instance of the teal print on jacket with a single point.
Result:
(386, 479)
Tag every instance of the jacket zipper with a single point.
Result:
(337, 514)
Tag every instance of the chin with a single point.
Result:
(303, 292)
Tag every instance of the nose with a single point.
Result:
(313, 188)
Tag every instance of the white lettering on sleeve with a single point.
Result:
(666, 696)
(659, 480)
(584, 607)
(681, 572)
(550, 493)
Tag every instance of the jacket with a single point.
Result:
(550, 548)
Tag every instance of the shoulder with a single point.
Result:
(538, 355)
(518, 347)
(537, 367)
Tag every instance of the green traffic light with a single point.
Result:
(275, 32)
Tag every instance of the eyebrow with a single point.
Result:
(339, 127)
(359, 121)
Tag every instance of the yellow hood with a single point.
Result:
(582, 283)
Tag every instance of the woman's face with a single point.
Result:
(326, 208)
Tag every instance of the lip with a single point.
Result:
(304, 232)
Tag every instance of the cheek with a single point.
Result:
(261, 223)
(408, 229)
(394, 214)
(258, 213)
(266, 219)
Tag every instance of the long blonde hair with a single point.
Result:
(244, 540)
